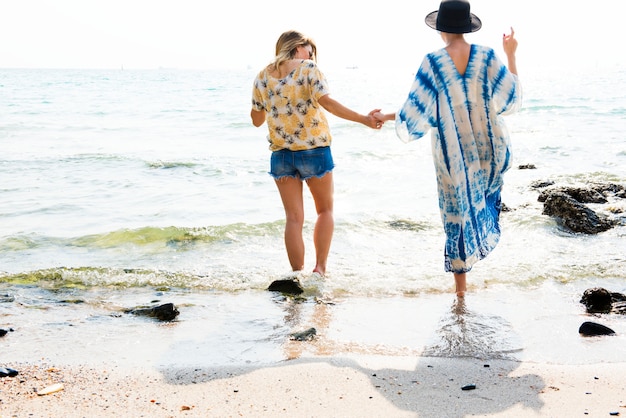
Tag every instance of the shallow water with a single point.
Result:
(218, 328)
(116, 185)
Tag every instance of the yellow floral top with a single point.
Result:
(295, 119)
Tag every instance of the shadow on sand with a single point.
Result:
(468, 369)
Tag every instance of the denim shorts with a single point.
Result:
(304, 164)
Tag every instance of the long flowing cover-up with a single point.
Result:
(470, 145)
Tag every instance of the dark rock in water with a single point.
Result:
(597, 300)
(6, 298)
(590, 329)
(289, 286)
(592, 192)
(6, 372)
(580, 194)
(72, 301)
(574, 215)
(619, 308)
(614, 189)
(541, 184)
(618, 297)
(165, 312)
(600, 300)
(307, 335)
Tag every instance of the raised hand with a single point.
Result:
(509, 43)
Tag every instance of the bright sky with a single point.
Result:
(236, 33)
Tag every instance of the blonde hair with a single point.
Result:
(287, 45)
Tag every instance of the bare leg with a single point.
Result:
(322, 190)
(291, 194)
(461, 285)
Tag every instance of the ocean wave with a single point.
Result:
(145, 236)
(170, 164)
(175, 236)
(87, 277)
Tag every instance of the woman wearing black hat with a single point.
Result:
(460, 93)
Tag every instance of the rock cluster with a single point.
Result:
(569, 205)
(598, 300)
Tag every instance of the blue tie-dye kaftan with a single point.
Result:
(470, 145)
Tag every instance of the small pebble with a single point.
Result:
(5, 371)
(469, 387)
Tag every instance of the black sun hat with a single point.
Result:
(453, 16)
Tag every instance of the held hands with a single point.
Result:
(372, 122)
(376, 119)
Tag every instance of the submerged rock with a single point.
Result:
(306, 335)
(600, 300)
(165, 312)
(541, 184)
(289, 286)
(597, 300)
(7, 298)
(591, 329)
(619, 308)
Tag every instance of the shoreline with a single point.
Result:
(232, 354)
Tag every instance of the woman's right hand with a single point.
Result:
(509, 43)
(384, 117)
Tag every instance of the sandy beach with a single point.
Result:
(365, 360)
(363, 386)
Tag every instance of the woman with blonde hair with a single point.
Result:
(291, 94)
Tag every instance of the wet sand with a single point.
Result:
(234, 355)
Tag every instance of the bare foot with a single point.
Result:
(319, 271)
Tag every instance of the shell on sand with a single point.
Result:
(50, 389)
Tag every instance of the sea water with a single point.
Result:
(134, 182)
